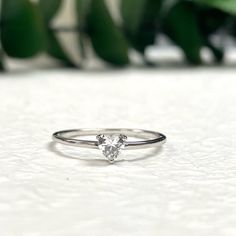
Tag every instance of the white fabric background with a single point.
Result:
(189, 188)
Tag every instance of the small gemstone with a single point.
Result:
(110, 145)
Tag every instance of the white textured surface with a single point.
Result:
(189, 188)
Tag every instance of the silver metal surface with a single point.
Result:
(147, 139)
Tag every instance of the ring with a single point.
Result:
(110, 141)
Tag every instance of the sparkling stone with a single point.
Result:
(110, 145)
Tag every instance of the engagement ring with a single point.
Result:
(110, 141)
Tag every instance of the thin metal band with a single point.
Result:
(149, 139)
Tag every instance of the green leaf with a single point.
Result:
(55, 50)
(210, 21)
(49, 8)
(1, 55)
(140, 20)
(22, 31)
(107, 39)
(82, 7)
(218, 53)
(132, 14)
(1, 66)
(1, 61)
(224, 5)
(233, 28)
(181, 25)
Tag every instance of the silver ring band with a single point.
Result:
(110, 140)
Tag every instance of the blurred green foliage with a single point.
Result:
(190, 24)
